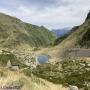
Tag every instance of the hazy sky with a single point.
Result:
(50, 13)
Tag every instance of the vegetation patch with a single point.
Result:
(27, 72)
(5, 57)
(72, 73)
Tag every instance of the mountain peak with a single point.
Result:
(88, 16)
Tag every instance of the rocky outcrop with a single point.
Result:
(88, 16)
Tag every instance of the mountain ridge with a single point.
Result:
(61, 32)
(15, 32)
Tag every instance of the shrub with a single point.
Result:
(27, 72)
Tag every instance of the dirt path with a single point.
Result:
(80, 52)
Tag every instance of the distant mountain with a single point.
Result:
(64, 35)
(61, 32)
(14, 32)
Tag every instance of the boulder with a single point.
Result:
(73, 87)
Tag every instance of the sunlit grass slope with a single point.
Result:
(26, 83)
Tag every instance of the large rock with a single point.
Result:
(73, 87)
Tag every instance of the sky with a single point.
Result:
(53, 14)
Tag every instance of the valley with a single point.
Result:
(31, 58)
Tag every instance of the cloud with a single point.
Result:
(50, 13)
